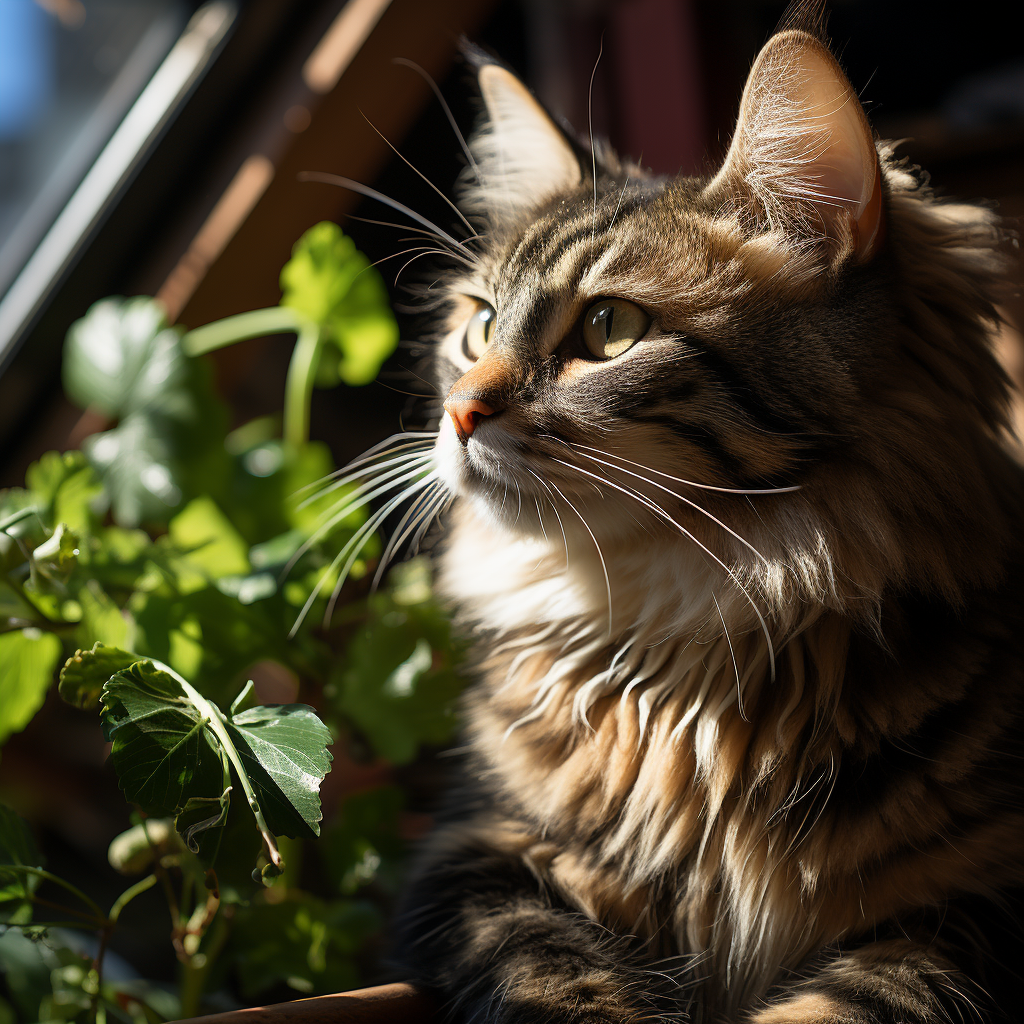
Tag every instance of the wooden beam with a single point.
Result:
(385, 1004)
(243, 272)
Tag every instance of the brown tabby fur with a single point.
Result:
(807, 836)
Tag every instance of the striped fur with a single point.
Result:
(746, 743)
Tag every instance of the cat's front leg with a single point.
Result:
(891, 982)
(478, 926)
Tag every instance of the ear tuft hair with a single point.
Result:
(522, 156)
(803, 153)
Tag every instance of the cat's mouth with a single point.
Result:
(497, 458)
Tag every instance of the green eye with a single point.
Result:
(611, 326)
(478, 332)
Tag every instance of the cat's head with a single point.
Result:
(646, 356)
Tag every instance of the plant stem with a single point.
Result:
(89, 918)
(301, 370)
(196, 968)
(57, 880)
(128, 895)
(255, 324)
(298, 389)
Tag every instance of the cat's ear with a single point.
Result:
(803, 149)
(521, 156)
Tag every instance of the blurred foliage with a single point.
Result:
(160, 564)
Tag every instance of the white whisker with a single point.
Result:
(371, 193)
(347, 507)
(402, 462)
(401, 531)
(600, 555)
(675, 494)
(367, 530)
(732, 654)
(444, 106)
(658, 510)
(424, 437)
(690, 483)
(413, 167)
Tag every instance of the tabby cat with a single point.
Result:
(736, 530)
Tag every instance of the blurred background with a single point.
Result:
(155, 147)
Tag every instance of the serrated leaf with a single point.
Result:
(162, 749)
(329, 281)
(17, 847)
(85, 672)
(284, 750)
(28, 658)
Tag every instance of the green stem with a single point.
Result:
(128, 895)
(255, 324)
(195, 970)
(13, 520)
(49, 877)
(301, 370)
(298, 389)
(87, 919)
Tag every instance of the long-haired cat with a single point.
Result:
(737, 533)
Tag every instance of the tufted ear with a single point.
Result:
(803, 148)
(521, 155)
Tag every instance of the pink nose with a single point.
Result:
(466, 414)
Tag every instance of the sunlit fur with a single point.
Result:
(744, 598)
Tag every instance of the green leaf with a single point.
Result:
(28, 658)
(284, 750)
(134, 460)
(85, 672)
(121, 355)
(362, 844)
(26, 966)
(200, 823)
(399, 681)
(168, 445)
(102, 621)
(334, 285)
(171, 749)
(17, 846)
(162, 748)
(58, 554)
(211, 541)
(66, 489)
(306, 943)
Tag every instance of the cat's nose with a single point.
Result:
(466, 413)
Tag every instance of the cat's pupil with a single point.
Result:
(604, 317)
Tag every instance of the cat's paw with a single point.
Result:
(576, 1002)
(807, 1008)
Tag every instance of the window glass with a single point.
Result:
(69, 70)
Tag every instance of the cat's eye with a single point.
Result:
(478, 332)
(611, 326)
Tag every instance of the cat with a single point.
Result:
(736, 534)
